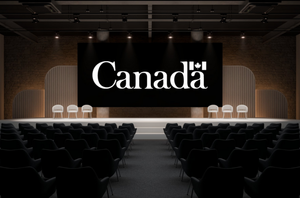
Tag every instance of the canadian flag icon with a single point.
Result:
(197, 65)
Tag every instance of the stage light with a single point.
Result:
(243, 35)
(56, 35)
(223, 18)
(209, 35)
(87, 9)
(101, 10)
(265, 18)
(212, 9)
(129, 36)
(170, 36)
(90, 35)
(198, 10)
(76, 19)
(124, 17)
(34, 18)
(175, 17)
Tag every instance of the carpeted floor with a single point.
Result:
(150, 173)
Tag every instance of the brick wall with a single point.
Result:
(273, 64)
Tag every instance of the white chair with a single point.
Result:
(72, 109)
(57, 109)
(227, 109)
(213, 109)
(242, 109)
(87, 109)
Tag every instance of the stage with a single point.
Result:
(150, 128)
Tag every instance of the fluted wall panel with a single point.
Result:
(238, 88)
(270, 104)
(29, 104)
(61, 88)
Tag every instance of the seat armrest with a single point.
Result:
(182, 159)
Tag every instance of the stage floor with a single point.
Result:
(149, 128)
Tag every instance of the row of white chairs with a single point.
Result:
(227, 109)
(72, 109)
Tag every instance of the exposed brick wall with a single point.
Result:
(273, 64)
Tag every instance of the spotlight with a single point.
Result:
(101, 10)
(56, 35)
(87, 10)
(223, 19)
(34, 18)
(198, 10)
(243, 35)
(265, 18)
(124, 17)
(76, 19)
(175, 17)
(129, 36)
(170, 36)
(212, 9)
(90, 35)
(209, 35)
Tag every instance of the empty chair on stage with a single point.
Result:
(72, 109)
(57, 109)
(242, 109)
(212, 109)
(87, 109)
(227, 109)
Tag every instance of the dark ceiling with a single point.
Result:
(150, 17)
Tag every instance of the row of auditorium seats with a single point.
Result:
(62, 154)
(240, 155)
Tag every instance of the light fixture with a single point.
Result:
(265, 18)
(175, 17)
(170, 36)
(243, 35)
(101, 10)
(56, 35)
(198, 10)
(87, 9)
(34, 18)
(90, 35)
(223, 19)
(129, 36)
(209, 35)
(124, 17)
(212, 9)
(76, 18)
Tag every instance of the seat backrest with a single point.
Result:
(175, 131)
(76, 147)
(260, 145)
(86, 129)
(72, 108)
(291, 130)
(113, 125)
(191, 129)
(50, 132)
(113, 146)
(123, 131)
(208, 138)
(266, 136)
(186, 146)
(102, 133)
(227, 108)
(90, 138)
(76, 133)
(94, 125)
(11, 144)
(82, 182)
(58, 125)
(21, 182)
(181, 136)
(287, 144)
(212, 108)
(205, 125)
(101, 161)
(57, 108)
(248, 159)
(186, 125)
(223, 125)
(15, 158)
(223, 147)
(198, 133)
(171, 128)
(229, 182)
(10, 136)
(118, 136)
(278, 182)
(76, 125)
(87, 108)
(284, 158)
(248, 132)
(39, 145)
(33, 136)
(108, 128)
(199, 160)
(60, 139)
(213, 129)
(241, 108)
(239, 138)
(223, 133)
(289, 136)
(170, 124)
(241, 125)
(51, 159)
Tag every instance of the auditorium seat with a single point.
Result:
(223, 147)
(76, 147)
(90, 138)
(102, 133)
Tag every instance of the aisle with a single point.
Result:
(149, 173)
